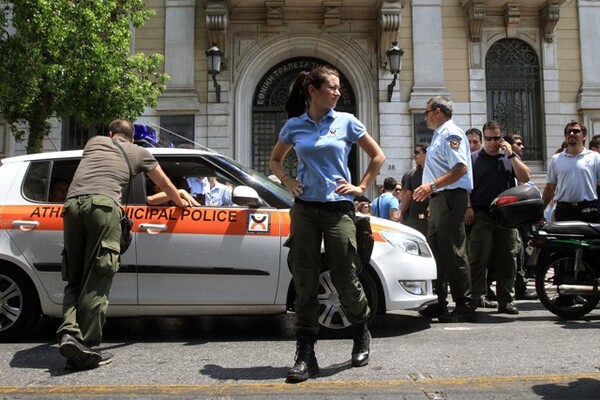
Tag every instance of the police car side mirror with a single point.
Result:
(245, 196)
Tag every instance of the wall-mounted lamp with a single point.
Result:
(213, 59)
(394, 55)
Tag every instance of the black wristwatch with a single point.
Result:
(512, 155)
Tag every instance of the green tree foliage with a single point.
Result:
(73, 58)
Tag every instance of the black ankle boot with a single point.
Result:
(362, 341)
(306, 361)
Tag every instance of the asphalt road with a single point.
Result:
(533, 355)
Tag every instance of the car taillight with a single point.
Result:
(507, 200)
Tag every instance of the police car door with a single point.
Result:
(33, 219)
(208, 255)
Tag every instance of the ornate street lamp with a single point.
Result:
(213, 59)
(394, 55)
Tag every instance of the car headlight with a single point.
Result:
(407, 243)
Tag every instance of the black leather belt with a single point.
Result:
(577, 203)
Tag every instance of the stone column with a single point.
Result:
(588, 101)
(428, 52)
(181, 94)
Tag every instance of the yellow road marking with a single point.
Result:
(310, 386)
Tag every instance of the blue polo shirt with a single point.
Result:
(322, 149)
(576, 177)
(449, 146)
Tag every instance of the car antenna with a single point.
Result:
(202, 147)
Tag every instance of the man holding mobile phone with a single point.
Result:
(495, 167)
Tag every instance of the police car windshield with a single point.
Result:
(276, 188)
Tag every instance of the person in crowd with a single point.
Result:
(495, 167)
(59, 188)
(387, 205)
(447, 179)
(572, 182)
(364, 207)
(595, 146)
(594, 143)
(474, 136)
(516, 142)
(218, 194)
(573, 177)
(398, 196)
(323, 211)
(92, 234)
(414, 213)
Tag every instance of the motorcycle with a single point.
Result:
(565, 255)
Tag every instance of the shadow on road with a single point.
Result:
(580, 389)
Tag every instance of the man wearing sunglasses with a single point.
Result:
(495, 167)
(573, 176)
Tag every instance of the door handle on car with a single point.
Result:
(25, 225)
(153, 229)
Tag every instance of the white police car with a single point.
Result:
(196, 261)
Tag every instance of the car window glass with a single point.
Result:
(60, 179)
(36, 181)
(206, 183)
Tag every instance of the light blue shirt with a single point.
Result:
(381, 206)
(576, 177)
(197, 185)
(449, 146)
(322, 149)
(220, 195)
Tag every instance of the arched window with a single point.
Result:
(512, 75)
(268, 111)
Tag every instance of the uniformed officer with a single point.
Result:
(447, 178)
(323, 211)
(92, 234)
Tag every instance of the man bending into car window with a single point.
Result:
(92, 235)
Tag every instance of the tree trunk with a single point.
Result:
(38, 128)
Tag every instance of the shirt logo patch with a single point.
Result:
(258, 223)
(454, 141)
(332, 132)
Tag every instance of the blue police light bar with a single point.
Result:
(145, 136)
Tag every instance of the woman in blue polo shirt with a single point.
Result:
(323, 209)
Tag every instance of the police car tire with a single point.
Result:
(371, 292)
(22, 301)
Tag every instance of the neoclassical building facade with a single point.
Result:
(531, 64)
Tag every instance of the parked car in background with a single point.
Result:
(207, 260)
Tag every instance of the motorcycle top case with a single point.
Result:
(518, 206)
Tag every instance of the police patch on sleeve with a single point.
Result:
(454, 141)
(259, 223)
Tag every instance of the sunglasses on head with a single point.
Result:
(494, 138)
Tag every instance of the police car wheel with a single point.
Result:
(19, 306)
(331, 313)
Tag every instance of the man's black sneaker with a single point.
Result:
(458, 316)
(79, 355)
(107, 357)
(434, 310)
